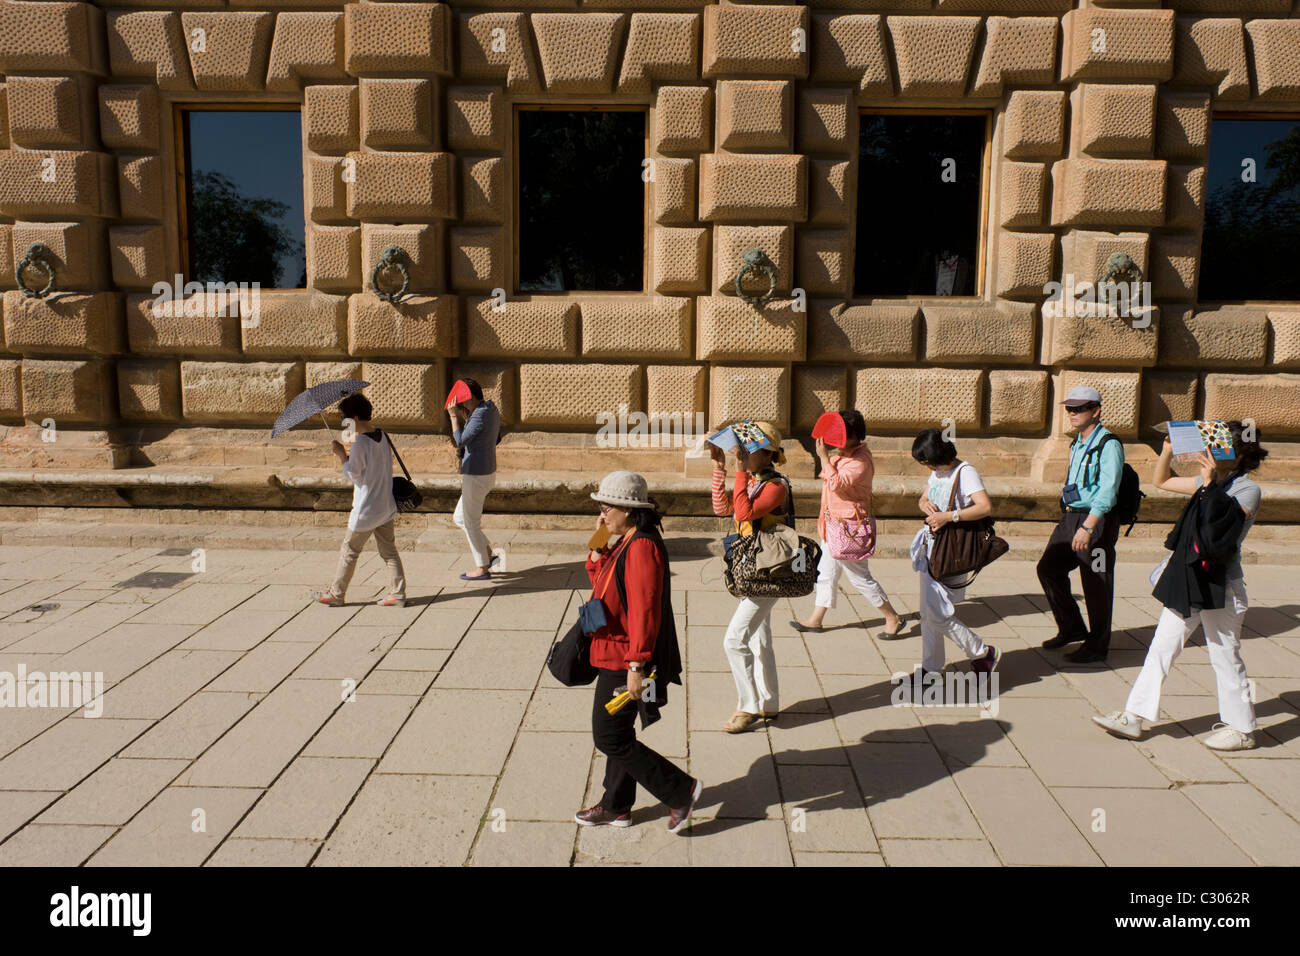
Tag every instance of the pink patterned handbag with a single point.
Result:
(850, 539)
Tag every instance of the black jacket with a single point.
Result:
(1204, 542)
(667, 659)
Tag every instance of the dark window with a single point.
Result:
(1252, 229)
(243, 197)
(920, 182)
(581, 200)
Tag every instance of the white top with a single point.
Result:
(940, 487)
(370, 466)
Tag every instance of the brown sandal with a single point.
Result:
(740, 721)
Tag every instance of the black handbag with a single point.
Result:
(570, 658)
(405, 493)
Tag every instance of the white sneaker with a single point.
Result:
(1121, 724)
(1226, 738)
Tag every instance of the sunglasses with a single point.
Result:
(1079, 409)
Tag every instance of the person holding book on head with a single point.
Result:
(476, 429)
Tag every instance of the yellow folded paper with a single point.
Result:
(622, 700)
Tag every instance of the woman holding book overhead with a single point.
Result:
(475, 430)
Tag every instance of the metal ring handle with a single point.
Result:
(38, 254)
(391, 258)
(755, 260)
(1119, 267)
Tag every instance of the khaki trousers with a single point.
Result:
(386, 542)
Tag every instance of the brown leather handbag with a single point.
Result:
(964, 547)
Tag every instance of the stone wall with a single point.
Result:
(753, 123)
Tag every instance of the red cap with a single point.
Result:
(830, 429)
(459, 393)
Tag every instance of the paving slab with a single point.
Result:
(114, 793)
(307, 799)
(1021, 818)
(433, 739)
(42, 845)
(938, 853)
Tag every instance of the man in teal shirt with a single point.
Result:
(1086, 534)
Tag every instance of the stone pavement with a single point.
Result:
(225, 738)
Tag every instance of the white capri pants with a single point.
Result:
(752, 657)
(1222, 639)
(939, 620)
(469, 514)
(859, 575)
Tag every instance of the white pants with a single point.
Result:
(751, 655)
(939, 620)
(469, 514)
(1222, 639)
(859, 575)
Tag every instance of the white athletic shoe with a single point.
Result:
(1121, 724)
(1226, 738)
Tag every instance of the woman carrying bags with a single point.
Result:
(1201, 584)
(757, 502)
(844, 523)
(629, 578)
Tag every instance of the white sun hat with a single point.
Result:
(623, 489)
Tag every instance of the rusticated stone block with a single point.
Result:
(1183, 126)
(1284, 329)
(1034, 125)
(730, 329)
(1168, 397)
(498, 46)
(824, 121)
(828, 192)
(681, 260)
(674, 190)
(482, 190)
(243, 392)
(755, 115)
(661, 48)
(149, 390)
(1232, 337)
(1026, 263)
(128, 117)
(578, 50)
(6, 257)
(1175, 263)
(1075, 338)
(1018, 400)
(418, 326)
(1017, 51)
(575, 394)
(1117, 119)
(319, 372)
(397, 39)
(332, 117)
(423, 259)
(45, 111)
(334, 257)
(851, 47)
(500, 383)
(63, 324)
(397, 114)
(228, 51)
(307, 48)
(1212, 53)
(753, 188)
(978, 334)
(536, 327)
(754, 40)
(67, 37)
(729, 245)
(933, 54)
(1272, 401)
(407, 393)
(739, 393)
(630, 327)
(149, 43)
(910, 398)
(327, 193)
(824, 264)
(1185, 206)
(1119, 399)
(1118, 44)
(676, 389)
(68, 391)
(75, 249)
(401, 186)
(11, 389)
(4, 117)
(138, 255)
(1111, 192)
(1275, 48)
(876, 333)
(818, 389)
(297, 323)
(478, 259)
(476, 118)
(1024, 188)
(1085, 254)
(159, 326)
(140, 186)
(76, 183)
(683, 119)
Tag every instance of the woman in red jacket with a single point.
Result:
(637, 639)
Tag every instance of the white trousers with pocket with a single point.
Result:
(859, 574)
(752, 657)
(469, 514)
(939, 620)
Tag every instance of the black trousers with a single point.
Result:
(627, 760)
(1054, 568)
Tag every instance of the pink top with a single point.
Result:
(846, 487)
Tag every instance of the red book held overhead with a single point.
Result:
(459, 393)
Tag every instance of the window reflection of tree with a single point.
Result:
(234, 237)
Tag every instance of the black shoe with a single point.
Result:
(1085, 655)
(1052, 643)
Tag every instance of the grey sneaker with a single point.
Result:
(1121, 725)
(1226, 738)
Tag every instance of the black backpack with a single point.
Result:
(1128, 502)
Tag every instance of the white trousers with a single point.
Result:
(939, 620)
(859, 575)
(469, 514)
(750, 653)
(1222, 639)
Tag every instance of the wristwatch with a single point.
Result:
(635, 667)
(956, 514)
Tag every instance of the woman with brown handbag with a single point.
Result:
(844, 522)
(956, 486)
